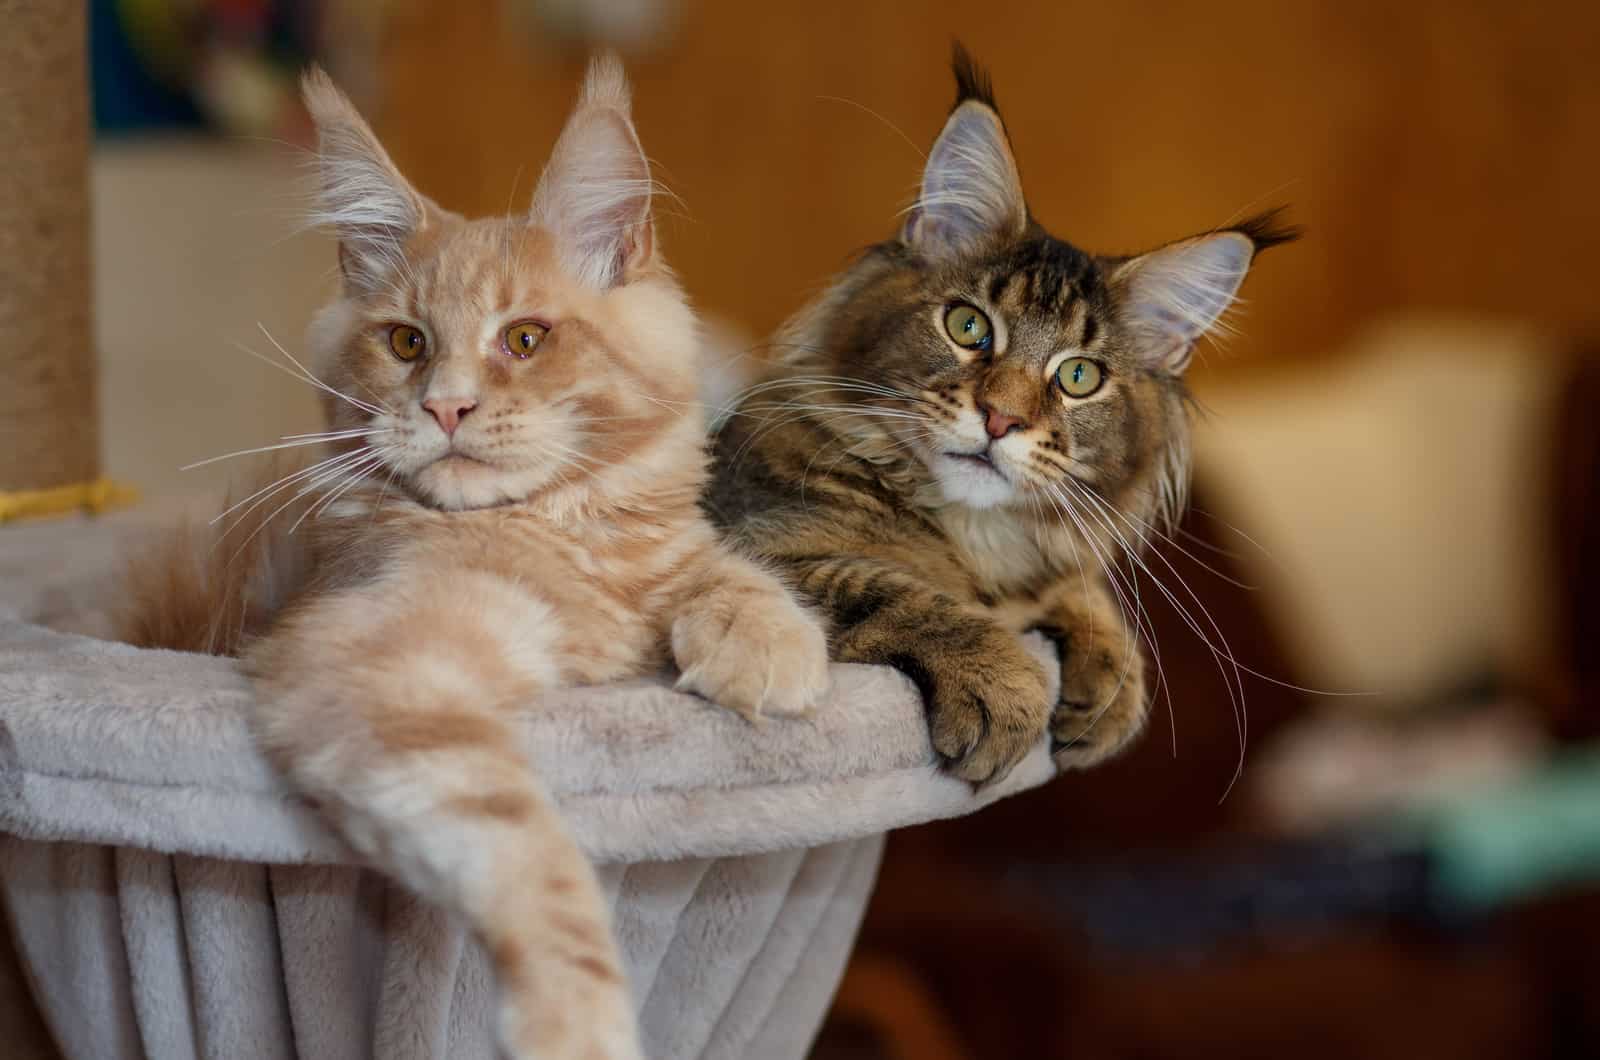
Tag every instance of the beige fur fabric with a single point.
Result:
(184, 957)
(104, 743)
(155, 869)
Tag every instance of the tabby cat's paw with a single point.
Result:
(986, 699)
(757, 652)
(1103, 702)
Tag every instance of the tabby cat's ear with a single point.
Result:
(971, 192)
(1171, 297)
(594, 196)
(360, 193)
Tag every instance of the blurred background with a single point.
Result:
(1398, 484)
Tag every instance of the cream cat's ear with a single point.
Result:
(1173, 296)
(971, 192)
(594, 196)
(360, 193)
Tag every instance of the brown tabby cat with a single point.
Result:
(512, 506)
(959, 433)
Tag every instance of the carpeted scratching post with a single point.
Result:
(49, 432)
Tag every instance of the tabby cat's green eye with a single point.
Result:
(1079, 377)
(522, 339)
(967, 327)
(406, 342)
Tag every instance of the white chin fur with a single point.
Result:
(972, 485)
(458, 485)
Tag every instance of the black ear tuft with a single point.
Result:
(972, 80)
(1267, 230)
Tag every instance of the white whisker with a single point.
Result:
(353, 475)
(333, 436)
(279, 484)
(251, 452)
(330, 475)
(311, 377)
(1228, 665)
(311, 477)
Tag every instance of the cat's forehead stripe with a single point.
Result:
(1043, 275)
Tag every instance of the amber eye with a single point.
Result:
(967, 327)
(406, 342)
(1079, 377)
(523, 339)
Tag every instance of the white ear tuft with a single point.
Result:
(605, 84)
(594, 196)
(1173, 296)
(970, 187)
(360, 193)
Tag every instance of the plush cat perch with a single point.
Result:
(170, 899)
(166, 896)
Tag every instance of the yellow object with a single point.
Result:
(95, 497)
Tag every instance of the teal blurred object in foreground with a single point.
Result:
(1536, 834)
(1443, 865)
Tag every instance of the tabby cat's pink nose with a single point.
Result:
(448, 412)
(998, 424)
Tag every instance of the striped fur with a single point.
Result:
(936, 499)
(446, 577)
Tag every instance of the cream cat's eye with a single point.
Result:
(406, 342)
(968, 327)
(1079, 377)
(522, 339)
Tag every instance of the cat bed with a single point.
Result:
(169, 898)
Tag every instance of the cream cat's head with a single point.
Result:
(498, 360)
(1004, 366)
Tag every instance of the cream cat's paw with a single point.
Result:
(752, 648)
(590, 1031)
(1103, 702)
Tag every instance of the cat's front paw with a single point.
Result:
(986, 698)
(588, 1029)
(753, 649)
(1103, 703)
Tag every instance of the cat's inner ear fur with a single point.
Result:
(971, 192)
(360, 193)
(594, 196)
(1171, 297)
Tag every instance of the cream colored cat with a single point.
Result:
(513, 509)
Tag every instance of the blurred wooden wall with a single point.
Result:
(1443, 155)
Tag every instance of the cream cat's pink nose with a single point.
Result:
(448, 412)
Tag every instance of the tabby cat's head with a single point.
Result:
(493, 360)
(1027, 366)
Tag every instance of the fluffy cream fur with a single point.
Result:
(509, 506)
